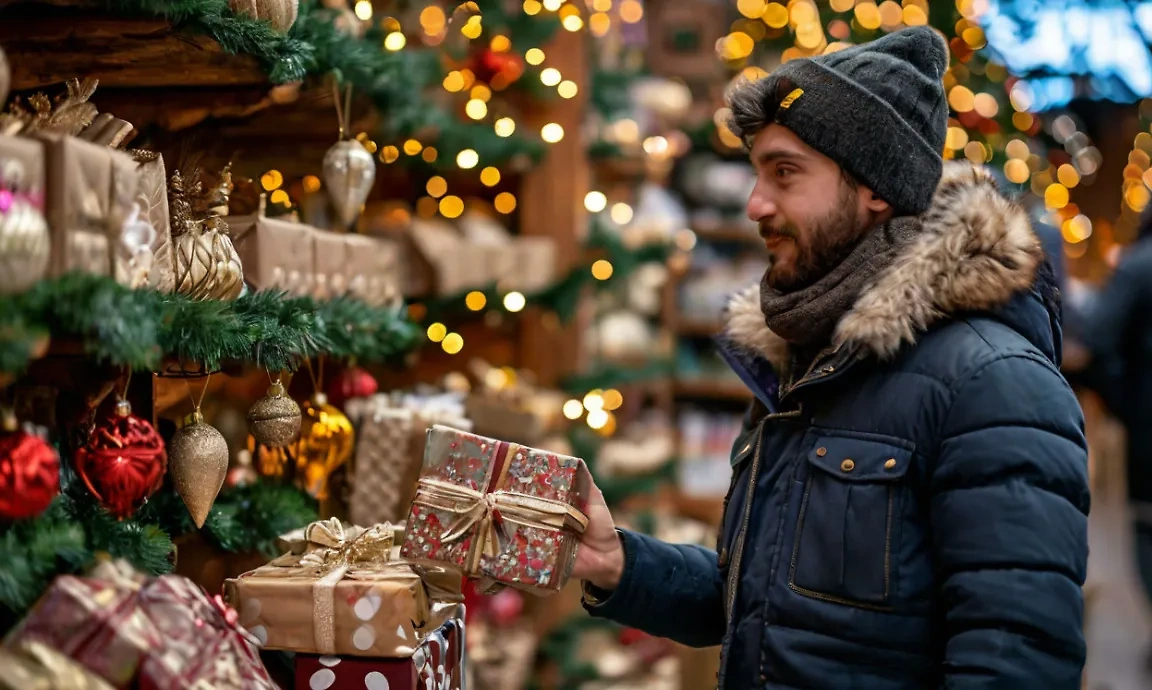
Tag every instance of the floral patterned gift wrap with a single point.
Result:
(498, 511)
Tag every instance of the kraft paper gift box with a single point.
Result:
(22, 160)
(330, 264)
(276, 254)
(453, 263)
(89, 194)
(35, 666)
(536, 263)
(436, 664)
(500, 512)
(342, 596)
(374, 265)
(150, 264)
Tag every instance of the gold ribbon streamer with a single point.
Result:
(476, 509)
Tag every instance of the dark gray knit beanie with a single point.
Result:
(877, 109)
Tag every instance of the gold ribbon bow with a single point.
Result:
(327, 545)
(486, 513)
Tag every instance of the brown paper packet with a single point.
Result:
(330, 264)
(152, 206)
(276, 254)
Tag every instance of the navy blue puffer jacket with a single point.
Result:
(919, 496)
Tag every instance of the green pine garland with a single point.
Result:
(139, 328)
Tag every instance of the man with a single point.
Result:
(909, 499)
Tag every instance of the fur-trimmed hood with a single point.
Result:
(975, 252)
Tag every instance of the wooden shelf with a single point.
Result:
(699, 329)
(711, 390)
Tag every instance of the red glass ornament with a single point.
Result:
(29, 475)
(123, 462)
(353, 382)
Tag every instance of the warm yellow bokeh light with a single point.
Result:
(567, 89)
(452, 343)
(868, 15)
(311, 183)
(437, 331)
(363, 10)
(389, 154)
(481, 92)
(956, 138)
(476, 109)
(532, 7)
(467, 159)
(412, 147)
(914, 15)
(553, 5)
(271, 180)
(621, 213)
(454, 81)
(612, 399)
(985, 104)
(602, 269)
(775, 15)
(1076, 229)
(601, 5)
(1022, 121)
(432, 19)
(514, 302)
(750, 8)
(1056, 196)
(961, 99)
(841, 5)
(475, 300)
(598, 418)
(573, 409)
(631, 11)
(1017, 148)
(280, 197)
(594, 400)
(595, 201)
(395, 41)
(534, 56)
(429, 154)
(490, 177)
(500, 44)
(572, 22)
(436, 187)
(550, 76)
(1016, 170)
(451, 206)
(551, 132)
(599, 23)
(473, 28)
(1067, 176)
(505, 202)
(505, 126)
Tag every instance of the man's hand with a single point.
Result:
(600, 558)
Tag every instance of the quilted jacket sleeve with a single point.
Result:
(1009, 505)
(672, 591)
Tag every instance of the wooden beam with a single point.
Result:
(552, 204)
(48, 45)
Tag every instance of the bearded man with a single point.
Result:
(909, 498)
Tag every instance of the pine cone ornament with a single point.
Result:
(207, 265)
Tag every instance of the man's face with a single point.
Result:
(810, 217)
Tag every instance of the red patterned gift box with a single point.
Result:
(436, 664)
(96, 622)
(203, 646)
(497, 510)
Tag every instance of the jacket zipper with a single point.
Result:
(738, 547)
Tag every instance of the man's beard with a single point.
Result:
(826, 243)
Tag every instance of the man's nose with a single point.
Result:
(759, 208)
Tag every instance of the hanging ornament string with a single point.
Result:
(197, 403)
(317, 380)
(343, 113)
(127, 383)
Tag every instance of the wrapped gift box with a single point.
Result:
(439, 261)
(374, 269)
(535, 263)
(497, 510)
(436, 664)
(96, 622)
(276, 254)
(149, 265)
(89, 195)
(34, 666)
(202, 644)
(330, 264)
(342, 595)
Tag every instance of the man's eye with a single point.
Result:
(783, 172)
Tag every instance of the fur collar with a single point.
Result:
(977, 248)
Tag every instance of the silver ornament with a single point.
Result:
(349, 171)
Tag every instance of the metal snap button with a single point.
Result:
(890, 463)
(848, 465)
(821, 452)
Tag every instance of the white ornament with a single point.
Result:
(349, 171)
(329, 661)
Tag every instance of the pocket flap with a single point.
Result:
(851, 458)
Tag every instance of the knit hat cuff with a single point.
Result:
(863, 134)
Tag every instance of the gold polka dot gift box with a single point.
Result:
(342, 593)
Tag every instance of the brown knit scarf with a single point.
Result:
(808, 317)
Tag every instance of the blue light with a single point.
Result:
(1074, 48)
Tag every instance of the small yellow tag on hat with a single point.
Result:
(791, 98)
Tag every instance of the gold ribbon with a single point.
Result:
(483, 514)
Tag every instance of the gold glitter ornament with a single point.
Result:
(198, 465)
(206, 264)
(274, 420)
(326, 442)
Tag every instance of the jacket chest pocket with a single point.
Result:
(844, 533)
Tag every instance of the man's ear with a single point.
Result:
(872, 202)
